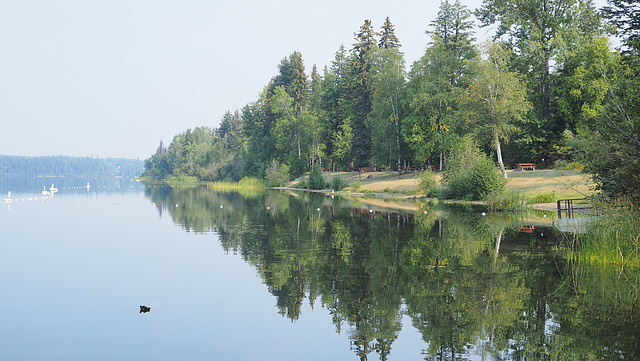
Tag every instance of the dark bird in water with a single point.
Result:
(144, 309)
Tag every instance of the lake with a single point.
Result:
(279, 275)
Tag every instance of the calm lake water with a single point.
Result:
(287, 276)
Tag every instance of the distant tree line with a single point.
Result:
(69, 166)
(550, 88)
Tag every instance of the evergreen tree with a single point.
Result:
(436, 81)
(387, 83)
(388, 37)
(334, 101)
(625, 16)
(318, 127)
(360, 94)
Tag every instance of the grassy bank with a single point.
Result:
(531, 184)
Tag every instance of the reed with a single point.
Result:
(613, 238)
(248, 187)
(505, 201)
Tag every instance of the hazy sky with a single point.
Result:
(111, 78)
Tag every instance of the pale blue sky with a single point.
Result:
(111, 78)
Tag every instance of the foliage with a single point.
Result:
(302, 183)
(543, 198)
(562, 164)
(63, 166)
(612, 149)
(625, 17)
(552, 87)
(357, 184)
(435, 82)
(471, 175)
(614, 238)
(542, 34)
(428, 185)
(338, 183)
(178, 179)
(316, 180)
(277, 175)
(495, 101)
(504, 201)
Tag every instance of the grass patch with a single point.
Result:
(565, 183)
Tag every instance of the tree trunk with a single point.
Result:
(499, 155)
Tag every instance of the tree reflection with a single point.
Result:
(471, 284)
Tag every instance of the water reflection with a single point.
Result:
(493, 287)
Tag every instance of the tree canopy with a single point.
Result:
(550, 71)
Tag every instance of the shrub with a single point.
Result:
(316, 180)
(338, 184)
(276, 174)
(543, 198)
(427, 183)
(302, 183)
(470, 174)
(562, 164)
(357, 184)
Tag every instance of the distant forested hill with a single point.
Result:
(69, 166)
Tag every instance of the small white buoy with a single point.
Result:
(545, 216)
(221, 206)
(484, 214)
(371, 211)
(268, 208)
(318, 209)
(425, 212)
(176, 206)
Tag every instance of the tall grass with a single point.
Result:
(505, 201)
(179, 179)
(246, 185)
(613, 238)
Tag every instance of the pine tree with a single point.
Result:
(360, 94)
(388, 37)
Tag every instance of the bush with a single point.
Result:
(543, 198)
(338, 184)
(357, 184)
(276, 174)
(316, 180)
(302, 183)
(470, 174)
(427, 183)
(562, 164)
